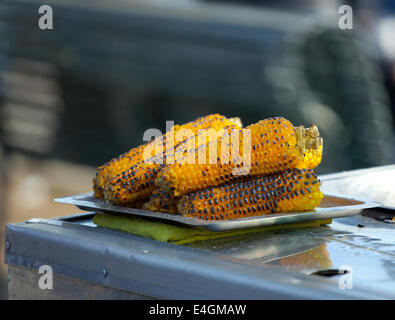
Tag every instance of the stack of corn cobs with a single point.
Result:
(262, 169)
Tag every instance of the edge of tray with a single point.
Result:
(249, 222)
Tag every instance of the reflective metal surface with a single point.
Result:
(330, 207)
(359, 244)
(374, 184)
(362, 245)
(269, 265)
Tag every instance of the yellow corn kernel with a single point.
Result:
(138, 180)
(293, 190)
(275, 146)
(161, 202)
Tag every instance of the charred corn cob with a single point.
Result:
(275, 146)
(138, 204)
(138, 180)
(135, 155)
(115, 166)
(290, 191)
(161, 202)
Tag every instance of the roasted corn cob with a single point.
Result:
(115, 166)
(275, 146)
(290, 191)
(161, 202)
(138, 180)
(134, 156)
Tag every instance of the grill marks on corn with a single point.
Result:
(161, 202)
(274, 148)
(114, 167)
(135, 183)
(138, 180)
(283, 192)
(135, 155)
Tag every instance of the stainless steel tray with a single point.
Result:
(330, 207)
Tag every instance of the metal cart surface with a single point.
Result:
(94, 263)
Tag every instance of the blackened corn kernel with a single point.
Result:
(303, 149)
(162, 202)
(132, 164)
(293, 199)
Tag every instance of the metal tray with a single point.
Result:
(330, 207)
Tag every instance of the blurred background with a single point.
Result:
(76, 96)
